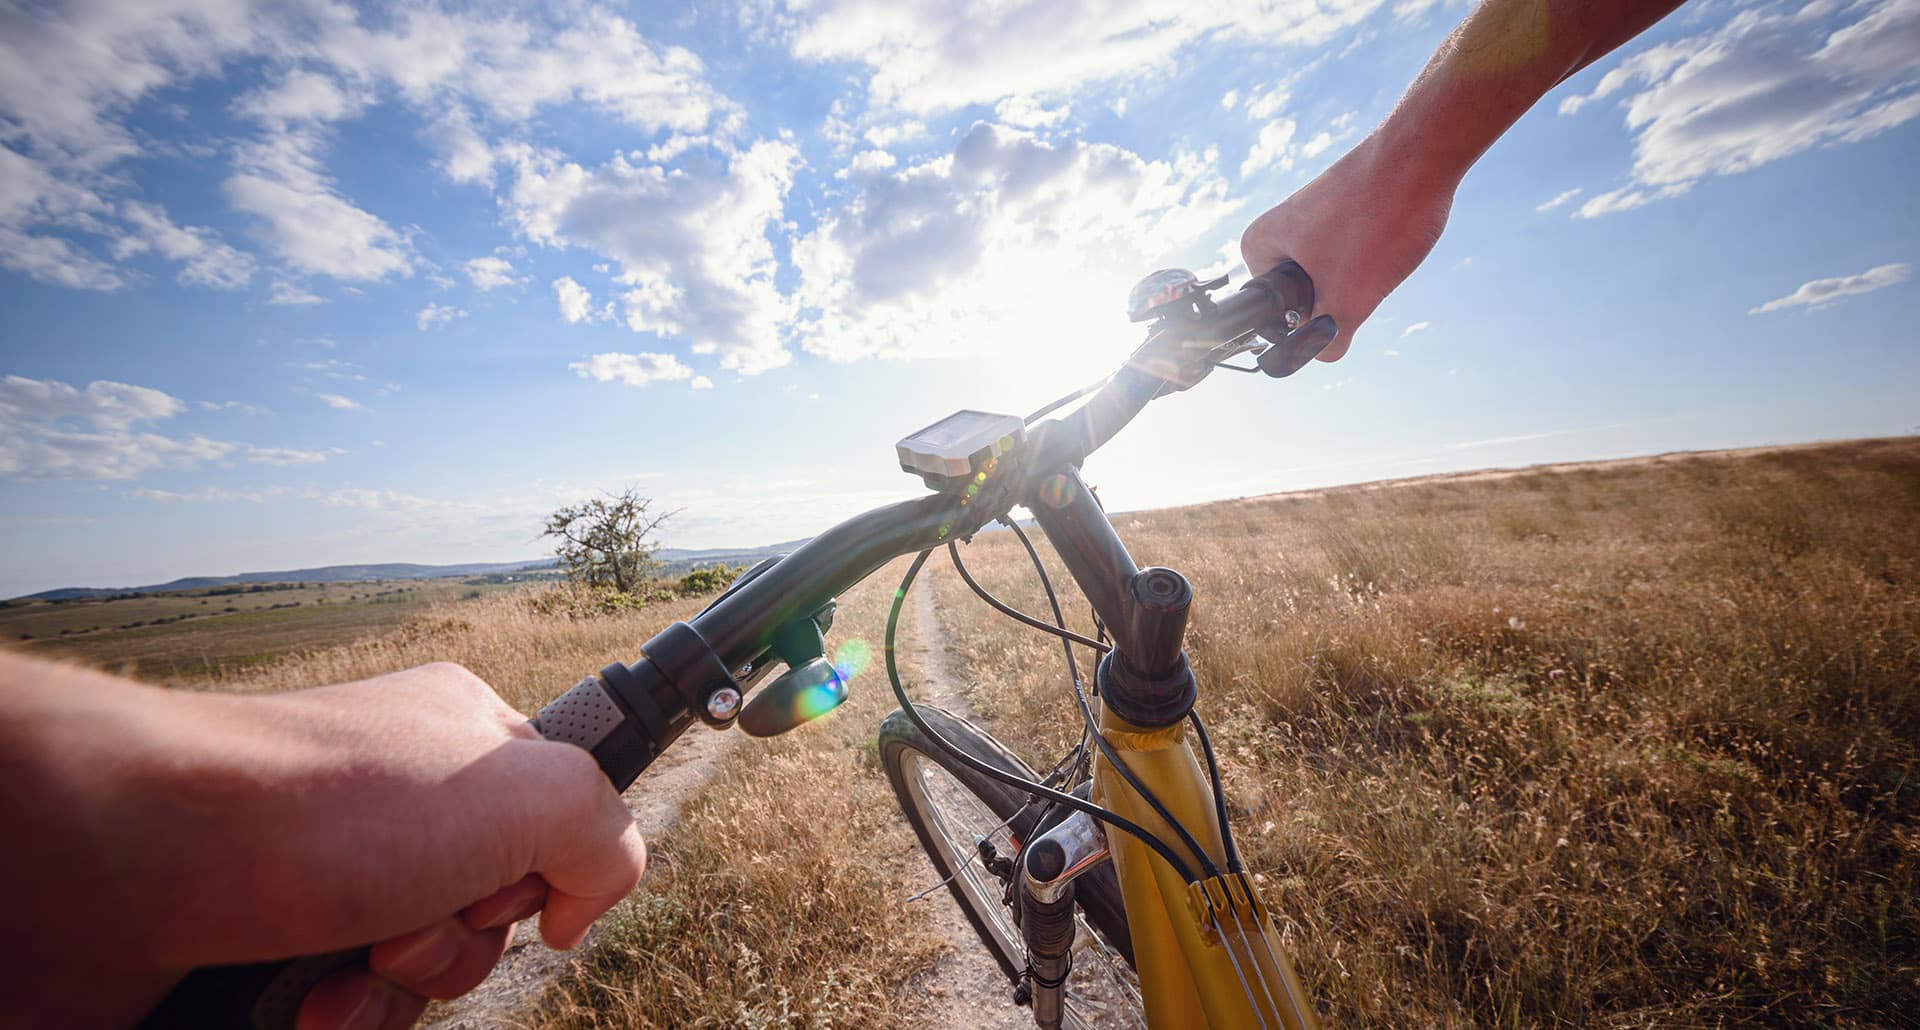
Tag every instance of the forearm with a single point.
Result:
(1496, 65)
(113, 792)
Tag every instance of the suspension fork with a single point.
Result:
(1207, 953)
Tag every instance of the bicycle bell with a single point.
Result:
(1167, 292)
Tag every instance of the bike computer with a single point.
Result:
(960, 445)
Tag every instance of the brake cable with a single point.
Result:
(1110, 818)
(1019, 616)
(1100, 740)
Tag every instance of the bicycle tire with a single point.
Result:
(906, 754)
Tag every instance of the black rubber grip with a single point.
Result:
(267, 995)
(1289, 286)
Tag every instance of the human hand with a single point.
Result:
(1358, 230)
(176, 830)
(443, 820)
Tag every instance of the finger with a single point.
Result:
(355, 999)
(444, 960)
(509, 904)
(580, 892)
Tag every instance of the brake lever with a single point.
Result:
(1291, 352)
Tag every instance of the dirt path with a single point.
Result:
(529, 966)
(966, 987)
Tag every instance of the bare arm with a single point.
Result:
(1369, 220)
(156, 831)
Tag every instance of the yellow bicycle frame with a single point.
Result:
(1207, 954)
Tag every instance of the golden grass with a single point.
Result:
(1625, 746)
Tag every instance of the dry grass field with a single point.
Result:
(1629, 745)
(1616, 746)
(190, 634)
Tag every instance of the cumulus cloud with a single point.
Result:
(436, 314)
(990, 247)
(487, 273)
(691, 241)
(1765, 85)
(631, 369)
(53, 430)
(1822, 291)
(931, 56)
(1417, 327)
(204, 259)
(1272, 149)
(284, 292)
(338, 402)
(304, 220)
(576, 303)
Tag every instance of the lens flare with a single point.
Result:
(851, 658)
(816, 701)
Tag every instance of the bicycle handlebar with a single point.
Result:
(626, 715)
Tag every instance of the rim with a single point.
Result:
(1102, 991)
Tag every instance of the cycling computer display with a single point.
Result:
(961, 444)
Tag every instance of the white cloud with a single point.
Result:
(701, 383)
(304, 219)
(991, 247)
(337, 402)
(576, 304)
(70, 75)
(487, 273)
(240, 406)
(1626, 198)
(691, 241)
(1821, 291)
(1417, 327)
(931, 56)
(1272, 149)
(1765, 85)
(1317, 145)
(436, 314)
(52, 430)
(210, 494)
(105, 404)
(284, 292)
(1558, 199)
(283, 456)
(205, 259)
(1228, 99)
(631, 369)
(867, 162)
(1028, 113)
(1268, 101)
(32, 196)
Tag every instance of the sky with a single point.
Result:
(304, 283)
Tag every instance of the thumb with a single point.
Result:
(582, 889)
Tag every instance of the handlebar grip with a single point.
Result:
(254, 996)
(1290, 289)
(267, 995)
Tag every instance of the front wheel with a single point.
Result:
(952, 807)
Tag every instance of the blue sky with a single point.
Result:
(303, 283)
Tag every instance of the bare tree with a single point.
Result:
(607, 541)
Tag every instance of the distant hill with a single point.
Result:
(677, 560)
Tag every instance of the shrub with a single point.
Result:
(708, 579)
